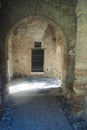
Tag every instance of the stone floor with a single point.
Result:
(39, 111)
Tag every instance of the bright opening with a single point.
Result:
(35, 85)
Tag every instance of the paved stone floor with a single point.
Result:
(39, 110)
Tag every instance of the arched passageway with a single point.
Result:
(65, 14)
(36, 47)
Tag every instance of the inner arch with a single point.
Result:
(21, 42)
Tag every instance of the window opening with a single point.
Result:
(37, 60)
(37, 44)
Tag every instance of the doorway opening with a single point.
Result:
(37, 60)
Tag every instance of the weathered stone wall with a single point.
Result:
(80, 84)
(21, 42)
(62, 12)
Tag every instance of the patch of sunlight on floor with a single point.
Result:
(35, 85)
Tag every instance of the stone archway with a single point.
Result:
(20, 42)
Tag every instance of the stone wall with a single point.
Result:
(80, 83)
(21, 42)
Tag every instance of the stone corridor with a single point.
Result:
(44, 38)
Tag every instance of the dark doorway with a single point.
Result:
(37, 60)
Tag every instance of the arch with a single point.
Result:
(37, 28)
